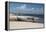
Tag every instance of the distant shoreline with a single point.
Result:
(35, 15)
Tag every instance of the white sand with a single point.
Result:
(19, 25)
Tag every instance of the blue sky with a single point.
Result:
(31, 8)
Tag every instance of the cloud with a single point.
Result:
(32, 8)
(23, 6)
(29, 11)
(23, 9)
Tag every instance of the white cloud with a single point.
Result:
(23, 9)
(23, 6)
(32, 8)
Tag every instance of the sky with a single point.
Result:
(27, 8)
